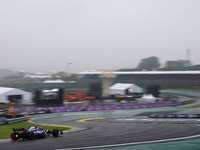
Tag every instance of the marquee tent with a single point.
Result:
(123, 89)
(148, 98)
(7, 94)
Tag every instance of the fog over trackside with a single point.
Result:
(45, 35)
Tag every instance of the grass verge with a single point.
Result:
(5, 130)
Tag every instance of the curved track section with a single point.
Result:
(102, 133)
(98, 134)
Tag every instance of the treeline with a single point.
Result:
(153, 64)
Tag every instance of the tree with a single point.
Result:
(195, 67)
(168, 68)
(62, 72)
(149, 63)
(178, 63)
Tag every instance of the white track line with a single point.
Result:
(136, 143)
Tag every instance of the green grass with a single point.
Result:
(192, 107)
(5, 130)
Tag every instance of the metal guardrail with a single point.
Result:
(13, 120)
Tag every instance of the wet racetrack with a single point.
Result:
(98, 133)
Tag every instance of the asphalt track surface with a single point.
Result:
(101, 133)
(97, 134)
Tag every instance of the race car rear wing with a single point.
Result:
(18, 129)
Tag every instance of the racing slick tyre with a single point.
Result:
(30, 135)
(55, 132)
(14, 136)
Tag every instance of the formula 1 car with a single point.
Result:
(33, 132)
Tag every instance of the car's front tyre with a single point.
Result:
(55, 132)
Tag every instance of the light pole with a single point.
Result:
(21, 73)
(69, 67)
(53, 74)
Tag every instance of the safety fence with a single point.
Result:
(124, 105)
(114, 107)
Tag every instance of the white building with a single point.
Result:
(122, 89)
(54, 81)
(38, 75)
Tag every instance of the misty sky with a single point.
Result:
(45, 35)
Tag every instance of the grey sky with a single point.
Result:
(45, 35)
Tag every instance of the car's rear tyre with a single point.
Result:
(55, 132)
(30, 135)
(14, 136)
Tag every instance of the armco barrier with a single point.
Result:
(14, 120)
(94, 108)
(43, 110)
(2, 122)
(151, 103)
(87, 107)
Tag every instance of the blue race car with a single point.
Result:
(33, 132)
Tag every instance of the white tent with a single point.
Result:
(54, 81)
(122, 88)
(148, 98)
(5, 93)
